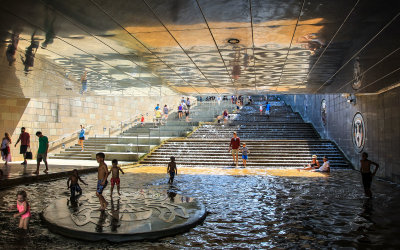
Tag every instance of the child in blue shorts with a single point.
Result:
(245, 152)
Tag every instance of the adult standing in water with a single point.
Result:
(25, 139)
(366, 173)
(81, 136)
(42, 151)
(234, 148)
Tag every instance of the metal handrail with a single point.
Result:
(122, 124)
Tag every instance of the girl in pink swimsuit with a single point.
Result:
(23, 209)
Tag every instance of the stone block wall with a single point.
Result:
(381, 113)
(59, 116)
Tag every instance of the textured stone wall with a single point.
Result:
(381, 115)
(57, 117)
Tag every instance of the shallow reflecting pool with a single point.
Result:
(253, 209)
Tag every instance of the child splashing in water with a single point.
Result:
(23, 210)
(172, 170)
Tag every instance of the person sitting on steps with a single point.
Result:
(313, 165)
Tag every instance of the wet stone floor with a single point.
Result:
(256, 210)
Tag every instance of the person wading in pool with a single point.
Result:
(234, 148)
(366, 173)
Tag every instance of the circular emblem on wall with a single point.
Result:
(323, 112)
(357, 74)
(358, 132)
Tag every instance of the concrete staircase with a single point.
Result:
(273, 130)
(140, 140)
(263, 153)
(93, 144)
(282, 140)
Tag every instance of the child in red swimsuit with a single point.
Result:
(23, 210)
(115, 175)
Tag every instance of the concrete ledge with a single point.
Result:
(140, 140)
(120, 156)
(7, 183)
(129, 148)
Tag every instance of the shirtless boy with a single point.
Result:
(102, 174)
(115, 175)
(172, 170)
(366, 173)
(73, 184)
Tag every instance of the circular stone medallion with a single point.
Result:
(358, 132)
(135, 215)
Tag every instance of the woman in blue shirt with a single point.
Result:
(81, 136)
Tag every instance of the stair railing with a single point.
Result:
(121, 126)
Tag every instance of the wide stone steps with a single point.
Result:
(258, 136)
(227, 164)
(77, 148)
(268, 131)
(263, 153)
(139, 140)
(254, 158)
(70, 157)
(267, 152)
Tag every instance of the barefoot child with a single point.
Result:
(115, 175)
(102, 175)
(73, 184)
(245, 151)
(23, 209)
(172, 170)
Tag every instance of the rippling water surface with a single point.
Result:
(252, 211)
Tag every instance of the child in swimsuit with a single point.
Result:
(23, 210)
(115, 176)
(245, 152)
(172, 170)
(73, 184)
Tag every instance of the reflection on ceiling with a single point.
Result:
(159, 47)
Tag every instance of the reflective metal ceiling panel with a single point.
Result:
(182, 46)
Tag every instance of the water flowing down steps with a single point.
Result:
(263, 153)
(282, 140)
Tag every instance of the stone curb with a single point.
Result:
(9, 183)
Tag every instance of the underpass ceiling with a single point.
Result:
(159, 47)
